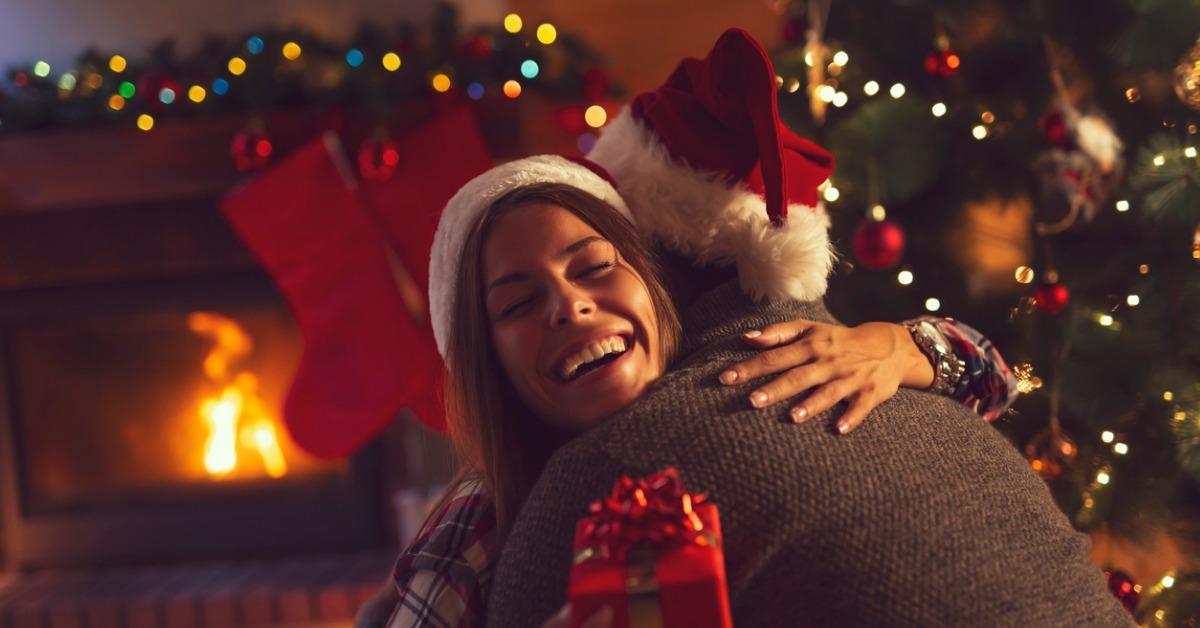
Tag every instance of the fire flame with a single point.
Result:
(236, 417)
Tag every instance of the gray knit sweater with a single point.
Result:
(923, 516)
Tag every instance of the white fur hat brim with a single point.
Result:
(713, 220)
(466, 209)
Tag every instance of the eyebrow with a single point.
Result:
(567, 252)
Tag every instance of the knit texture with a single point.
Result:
(923, 516)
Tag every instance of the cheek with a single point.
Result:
(511, 343)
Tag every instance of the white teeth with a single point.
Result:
(594, 351)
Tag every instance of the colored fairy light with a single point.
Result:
(595, 116)
(67, 81)
(441, 82)
(291, 51)
(117, 64)
(126, 89)
(255, 45)
(878, 213)
(41, 69)
(512, 89)
(475, 91)
(236, 66)
(220, 87)
(145, 122)
(196, 94)
(546, 33)
(512, 23)
(116, 102)
(391, 62)
(354, 57)
(529, 68)
(166, 95)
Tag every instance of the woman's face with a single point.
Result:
(573, 324)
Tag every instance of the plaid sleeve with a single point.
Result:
(987, 386)
(444, 575)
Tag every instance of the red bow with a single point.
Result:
(654, 509)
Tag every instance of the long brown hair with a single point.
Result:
(494, 431)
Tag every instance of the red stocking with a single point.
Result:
(364, 357)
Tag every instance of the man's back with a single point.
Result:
(922, 516)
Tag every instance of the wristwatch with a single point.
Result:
(947, 367)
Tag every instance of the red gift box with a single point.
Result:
(652, 552)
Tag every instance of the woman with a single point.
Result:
(559, 320)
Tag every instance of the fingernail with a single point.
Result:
(754, 333)
(729, 377)
(758, 399)
(843, 427)
(799, 414)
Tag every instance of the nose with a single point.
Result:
(569, 304)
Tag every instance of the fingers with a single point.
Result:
(773, 361)
(777, 334)
(791, 383)
(860, 406)
(823, 399)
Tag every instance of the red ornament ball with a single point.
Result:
(1054, 129)
(942, 63)
(377, 159)
(595, 84)
(570, 119)
(878, 245)
(1051, 298)
(251, 148)
(1124, 588)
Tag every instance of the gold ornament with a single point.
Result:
(1050, 452)
(1187, 78)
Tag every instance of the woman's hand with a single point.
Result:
(864, 364)
(562, 619)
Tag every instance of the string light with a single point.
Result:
(546, 33)
(1190, 152)
(117, 64)
(126, 90)
(67, 82)
(871, 88)
(236, 66)
(826, 93)
(145, 122)
(1121, 449)
(595, 116)
(166, 95)
(391, 62)
(897, 90)
(987, 117)
(1024, 275)
(840, 58)
(529, 69)
(1133, 300)
(475, 91)
(1105, 320)
(840, 99)
(116, 102)
(441, 82)
(1168, 395)
(938, 109)
(979, 132)
(1132, 94)
(905, 277)
(1144, 269)
(220, 87)
(1102, 477)
(42, 69)
(808, 59)
(793, 86)
(512, 89)
(354, 57)
(1168, 582)
(512, 23)
(1107, 436)
(255, 45)
(291, 51)
(933, 304)
(1122, 205)
(1159, 160)
(832, 194)
(878, 213)
(196, 94)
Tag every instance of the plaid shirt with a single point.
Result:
(444, 575)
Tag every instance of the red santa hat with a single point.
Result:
(703, 165)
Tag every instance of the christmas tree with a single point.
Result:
(1031, 168)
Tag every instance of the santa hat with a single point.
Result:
(709, 170)
(466, 208)
(703, 165)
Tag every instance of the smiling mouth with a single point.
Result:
(595, 356)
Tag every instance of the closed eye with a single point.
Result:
(591, 270)
(506, 312)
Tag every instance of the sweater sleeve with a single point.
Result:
(988, 386)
